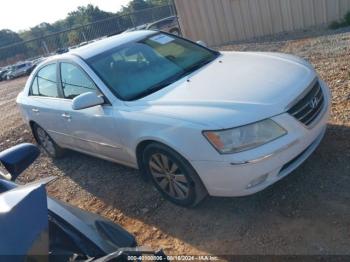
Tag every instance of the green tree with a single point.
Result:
(8, 37)
(158, 2)
(73, 38)
(81, 16)
(86, 14)
(137, 5)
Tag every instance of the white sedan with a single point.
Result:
(193, 120)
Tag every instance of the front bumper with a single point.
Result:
(252, 171)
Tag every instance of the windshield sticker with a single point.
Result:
(162, 39)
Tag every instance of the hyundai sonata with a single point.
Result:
(193, 120)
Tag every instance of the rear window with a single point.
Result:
(45, 82)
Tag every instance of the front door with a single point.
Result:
(92, 130)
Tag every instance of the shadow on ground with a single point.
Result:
(306, 213)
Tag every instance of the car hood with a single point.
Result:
(253, 86)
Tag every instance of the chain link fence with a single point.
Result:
(79, 35)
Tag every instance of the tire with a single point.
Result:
(172, 175)
(175, 32)
(47, 143)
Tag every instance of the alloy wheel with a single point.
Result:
(168, 175)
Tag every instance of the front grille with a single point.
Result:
(307, 109)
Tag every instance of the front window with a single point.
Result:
(74, 81)
(137, 69)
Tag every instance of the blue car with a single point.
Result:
(34, 226)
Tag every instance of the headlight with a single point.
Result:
(245, 137)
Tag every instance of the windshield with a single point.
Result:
(137, 69)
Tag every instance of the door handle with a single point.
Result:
(35, 110)
(67, 116)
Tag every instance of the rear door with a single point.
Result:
(45, 104)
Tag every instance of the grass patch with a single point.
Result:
(342, 23)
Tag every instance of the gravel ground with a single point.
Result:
(306, 213)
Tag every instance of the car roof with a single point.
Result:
(95, 48)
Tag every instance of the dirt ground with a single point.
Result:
(307, 213)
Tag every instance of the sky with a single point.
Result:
(22, 14)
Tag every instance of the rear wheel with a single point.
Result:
(172, 175)
(47, 143)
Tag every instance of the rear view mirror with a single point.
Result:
(17, 159)
(87, 100)
(202, 43)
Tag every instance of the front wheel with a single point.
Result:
(47, 143)
(172, 175)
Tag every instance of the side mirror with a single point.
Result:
(17, 159)
(87, 100)
(202, 43)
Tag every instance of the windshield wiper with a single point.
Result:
(181, 74)
(198, 65)
(170, 80)
(162, 84)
